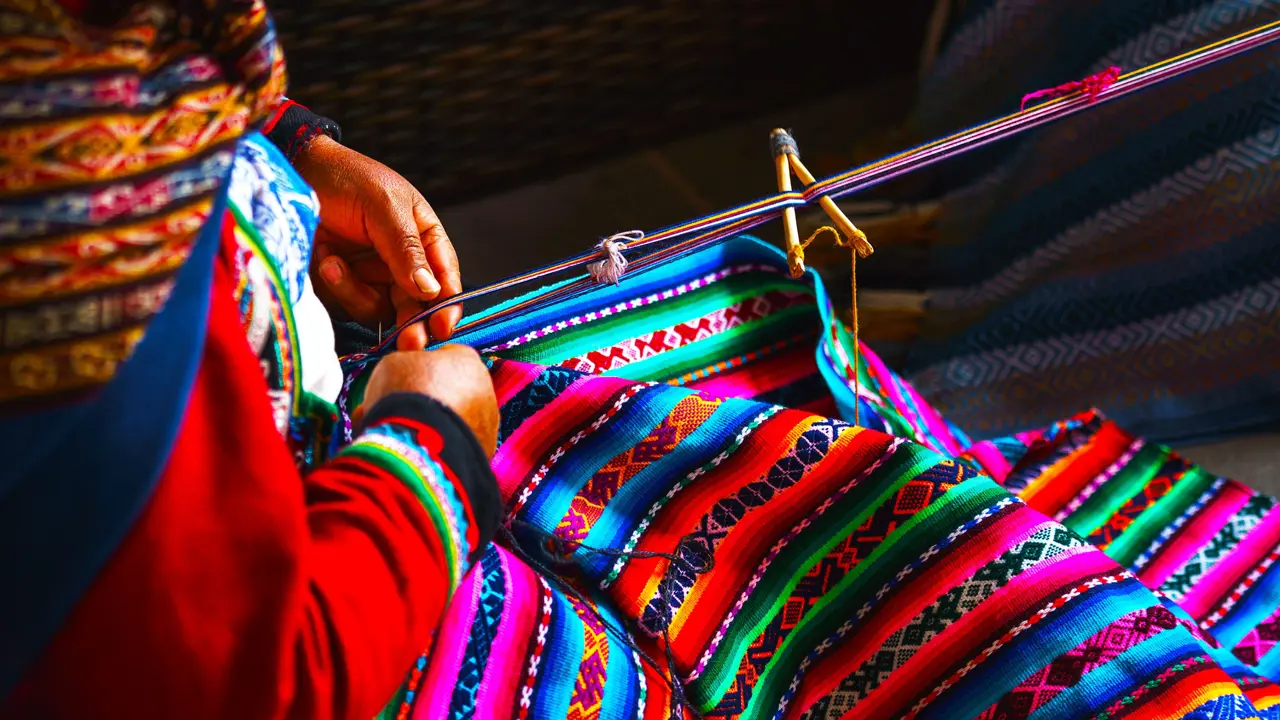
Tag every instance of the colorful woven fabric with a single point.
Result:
(820, 569)
(852, 570)
(1123, 258)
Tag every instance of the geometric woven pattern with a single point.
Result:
(804, 567)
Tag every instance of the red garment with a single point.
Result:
(245, 590)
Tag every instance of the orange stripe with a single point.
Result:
(747, 544)
(638, 582)
(1187, 695)
(913, 596)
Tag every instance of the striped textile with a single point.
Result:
(1123, 258)
(892, 570)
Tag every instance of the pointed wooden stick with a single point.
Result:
(782, 145)
(833, 211)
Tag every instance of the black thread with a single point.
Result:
(562, 550)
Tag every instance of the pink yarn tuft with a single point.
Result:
(1091, 86)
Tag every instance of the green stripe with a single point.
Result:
(1117, 491)
(259, 249)
(731, 343)
(1139, 536)
(903, 546)
(613, 329)
(892, 416)
(406, 473)
(800, 556)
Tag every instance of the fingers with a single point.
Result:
(444, 263)
(394, 232)
(362, 302)
(412, 337)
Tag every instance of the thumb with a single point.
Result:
(394, 234)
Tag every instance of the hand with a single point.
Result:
(380, 251)
(454, 375)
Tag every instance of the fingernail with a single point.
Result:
(331, 270)
(425, 282)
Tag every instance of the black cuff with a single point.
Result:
(461, 454)
(294, 127)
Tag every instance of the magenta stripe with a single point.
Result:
(1198, 531)
(515, 377)
(522, 452)
(988, 455)
(448, 650)
(721, 387)
(505, 669)
(1226, 575)
(740, 384)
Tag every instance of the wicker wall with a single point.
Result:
(471, 96)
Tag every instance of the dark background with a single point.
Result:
(471, 97)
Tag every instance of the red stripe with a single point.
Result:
(275, 116)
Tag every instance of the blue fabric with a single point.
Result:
(1119, 259)
(87, 471)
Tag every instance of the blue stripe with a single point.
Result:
(1071, 625)
(636, 420)
(738, 251)
(1257, 605)
(566, 640)
(1122, 675)
(622, 691)
(628, 507)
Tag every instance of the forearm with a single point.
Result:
(387, 562)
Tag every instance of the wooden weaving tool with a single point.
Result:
(677, 240)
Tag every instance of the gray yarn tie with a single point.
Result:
(610, 268)
(781, 142)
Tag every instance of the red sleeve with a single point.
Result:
(245, 591)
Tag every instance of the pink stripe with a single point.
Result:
(962, 639)
(719, 386)
(448, 649)
(511, 377)
(505, 670)
(992, 461)
(1188, 541)
(884, 378)
(1226, 575)
(527, 446)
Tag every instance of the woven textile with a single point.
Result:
(1123, 258)
(827, 569)
(101, 208)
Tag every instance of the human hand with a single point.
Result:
(380, 251)
(453, 375)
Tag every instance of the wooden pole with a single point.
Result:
(781, 140)
(833, 211)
